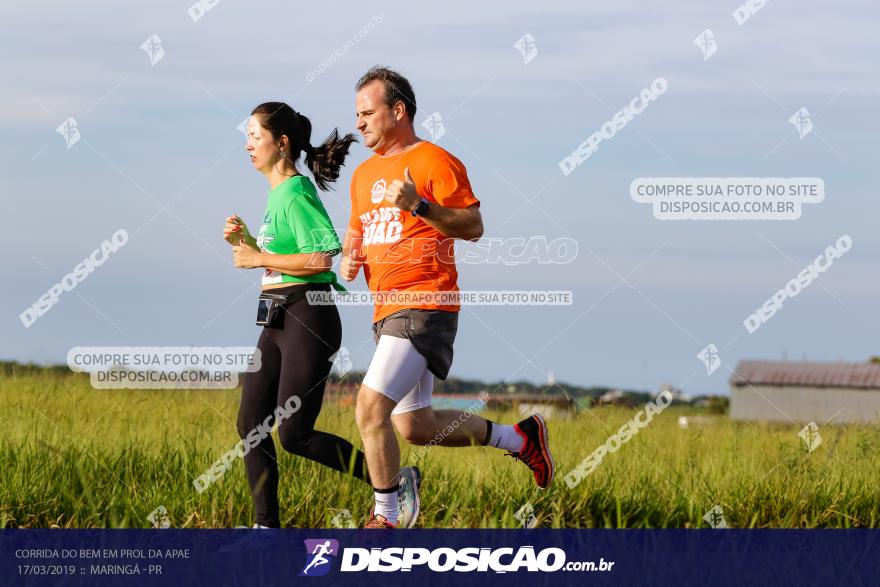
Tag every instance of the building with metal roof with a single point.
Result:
(801, 391)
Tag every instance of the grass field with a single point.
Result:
(72, 456)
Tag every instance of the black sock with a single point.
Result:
(389, 490)
(488, 432)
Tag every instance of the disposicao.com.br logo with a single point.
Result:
(442, 559)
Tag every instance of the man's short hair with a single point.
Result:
(397, 88)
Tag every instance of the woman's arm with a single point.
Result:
(298, 264)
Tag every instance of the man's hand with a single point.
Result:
(245, 256)
(403, 194)
(350, 265)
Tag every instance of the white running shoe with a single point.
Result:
(408, 497)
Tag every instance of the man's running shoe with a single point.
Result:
(535, 451)
(378, 522)
(408, 497)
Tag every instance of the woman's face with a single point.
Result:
(262, 146)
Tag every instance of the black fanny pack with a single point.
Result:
(271, 306)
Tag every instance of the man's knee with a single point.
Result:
(372, 410)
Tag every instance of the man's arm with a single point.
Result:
(352, 256)
(463, 223)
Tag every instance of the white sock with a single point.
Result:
(386, 505)
(505, 437)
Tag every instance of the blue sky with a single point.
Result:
(165, 135)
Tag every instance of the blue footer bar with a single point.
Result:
(467, 557)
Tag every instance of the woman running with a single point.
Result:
(295, 245)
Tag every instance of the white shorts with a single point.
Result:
(399, 372)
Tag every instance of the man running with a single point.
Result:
(409, 202)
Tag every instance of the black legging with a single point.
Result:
(295, 361)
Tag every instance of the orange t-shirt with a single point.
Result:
(402, 252)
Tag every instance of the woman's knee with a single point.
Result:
(294, 442)
(245, 423)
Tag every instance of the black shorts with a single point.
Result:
(432, 332)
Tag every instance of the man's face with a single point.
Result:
(376, 121)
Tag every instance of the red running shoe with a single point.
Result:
(535, 451)
(378, 522)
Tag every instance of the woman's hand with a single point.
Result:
(236, 231)
(245, 256)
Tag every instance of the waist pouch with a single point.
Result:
(271, 306)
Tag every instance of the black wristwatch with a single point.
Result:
(421, 209)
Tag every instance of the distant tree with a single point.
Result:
(718, 404)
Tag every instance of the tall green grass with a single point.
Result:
(72, 456)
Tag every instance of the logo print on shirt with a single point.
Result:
(377, 194)
(381, 226)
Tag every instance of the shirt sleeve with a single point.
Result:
(354, 223)
(449, 185)
(311, 226)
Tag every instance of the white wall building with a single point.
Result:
(786, 391)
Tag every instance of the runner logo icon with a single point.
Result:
(318, 553)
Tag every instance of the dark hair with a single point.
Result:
(323, 161)
(397, 88)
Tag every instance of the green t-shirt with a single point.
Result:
(297, 222)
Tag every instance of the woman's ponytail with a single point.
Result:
(323, 161)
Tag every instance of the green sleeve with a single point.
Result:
(312, 229)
